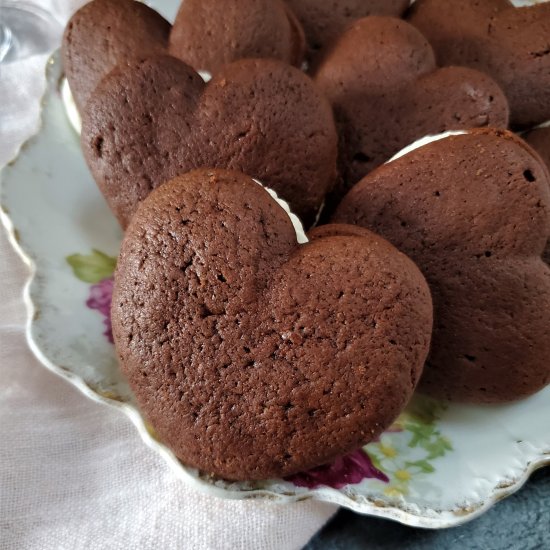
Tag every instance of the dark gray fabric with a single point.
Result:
(521, 521)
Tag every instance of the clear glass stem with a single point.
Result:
(26, 30)
(6, 40)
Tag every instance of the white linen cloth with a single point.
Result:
(75, 474)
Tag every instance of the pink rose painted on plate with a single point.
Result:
(97, 269)
(100, 299)
(346, 470)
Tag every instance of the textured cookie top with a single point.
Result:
(208, 34)
(251, 355)
(508, 43)
(473, 211)
(386, 90)
(151, 120)
(105, 33)
(324, 21)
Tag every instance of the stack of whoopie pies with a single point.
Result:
(256, 351)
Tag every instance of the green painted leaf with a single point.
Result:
(419, 432)
(425, 410)
(422, 465)
(92, 268)
(436, 448)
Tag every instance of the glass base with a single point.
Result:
(26, 30)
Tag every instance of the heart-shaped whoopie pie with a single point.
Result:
(154, 119)
(254, 356)
(510, 44)
(386, 90)
(323, 22)
(105, 33)
(473, 212)
(208, 35)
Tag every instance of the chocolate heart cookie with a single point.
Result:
(104, 33)
(325, 21)
(252, 356)
(208, 35)
(152, 120)
(386, 91)
(473, 211)
(510, 44)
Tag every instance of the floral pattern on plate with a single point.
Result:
(97, 268)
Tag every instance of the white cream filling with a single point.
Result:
(70, 106)
(424, 141)
(76, 123)
(301, 236)
(205, 75)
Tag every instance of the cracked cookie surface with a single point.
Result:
(253, 356)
